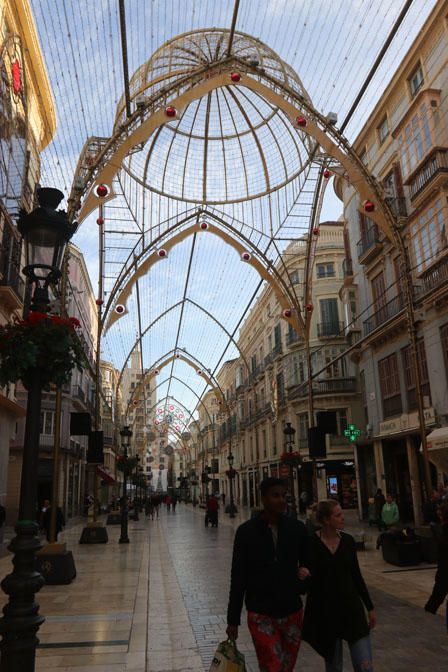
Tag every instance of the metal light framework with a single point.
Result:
(248, 132)
(46, 233)
(126, 435)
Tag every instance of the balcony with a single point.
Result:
(383, 314)
(269, 360)
(12, 284)
(397, 205)
(330, 329)
(369, 245)
(436, 164)
(277, 350)
(336, 385)
(435, 278)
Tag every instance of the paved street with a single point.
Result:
(159, 604)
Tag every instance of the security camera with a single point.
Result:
(332, 118)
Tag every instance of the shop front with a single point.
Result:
(340, 481)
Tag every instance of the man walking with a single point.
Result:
(269, 562)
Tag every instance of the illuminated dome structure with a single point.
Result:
(229, 145)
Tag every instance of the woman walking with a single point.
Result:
(440, 589)
(337, 596)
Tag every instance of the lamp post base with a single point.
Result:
(21, 619)
(57, 568)
(94, 533)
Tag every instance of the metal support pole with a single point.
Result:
(124, 539)
(21, 619)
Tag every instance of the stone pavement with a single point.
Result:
(159, 604)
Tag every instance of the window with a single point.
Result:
(429, 235)
(264, 443)
(363, 156)
(383, 130)
(390, 385)
(326, 270)
(330, 317)
(47, 423)
(278, 337)
(416, 80)
(415, 141)
(409, 377)
(253, 363)
(444, 341)
(294, 277)
(379, 297)
(302, 430)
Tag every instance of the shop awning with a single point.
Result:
(437, 442)
(104, 473)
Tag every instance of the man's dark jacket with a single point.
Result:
(266, 576)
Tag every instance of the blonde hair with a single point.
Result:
(324, 509)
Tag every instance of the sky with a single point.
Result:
(330, 44)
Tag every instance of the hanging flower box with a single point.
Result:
(126, 464)
(231, 473)
(291, 458)
(46, 343)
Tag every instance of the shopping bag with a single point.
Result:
(227, 658)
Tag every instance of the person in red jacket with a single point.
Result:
(211, 515)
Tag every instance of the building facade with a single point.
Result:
(27, 125)
(405, 146)
(266, 387)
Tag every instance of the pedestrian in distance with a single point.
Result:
(168, 502)
(440, 589)
(338, 596)
(269, 565)
(174, 502)
(379, 501)
(303, 501)
(390, 514)
(211, 513)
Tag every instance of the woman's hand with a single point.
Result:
(232, 632)
(303, 573)
(372, 618)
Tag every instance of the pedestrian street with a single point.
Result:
(159, 603)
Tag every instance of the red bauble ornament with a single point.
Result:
(369, 206)
(203, 226)
(246, 256)
(102, 190)
(100, 221)
(287, 313)
(170, 111)
(316, 230)
(301, 121)
(162, 253)
(99, 302)
(326, 174)
(235, 76)
(309, 307)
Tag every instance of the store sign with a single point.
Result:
(406, 422)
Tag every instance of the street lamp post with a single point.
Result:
(46, 232)
(232, 507)
(126, 434)
(289, 433)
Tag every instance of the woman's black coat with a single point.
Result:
(334, 606)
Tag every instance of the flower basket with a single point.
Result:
(126, 464)
(48, 343)
(231, 473)
(293, 459)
